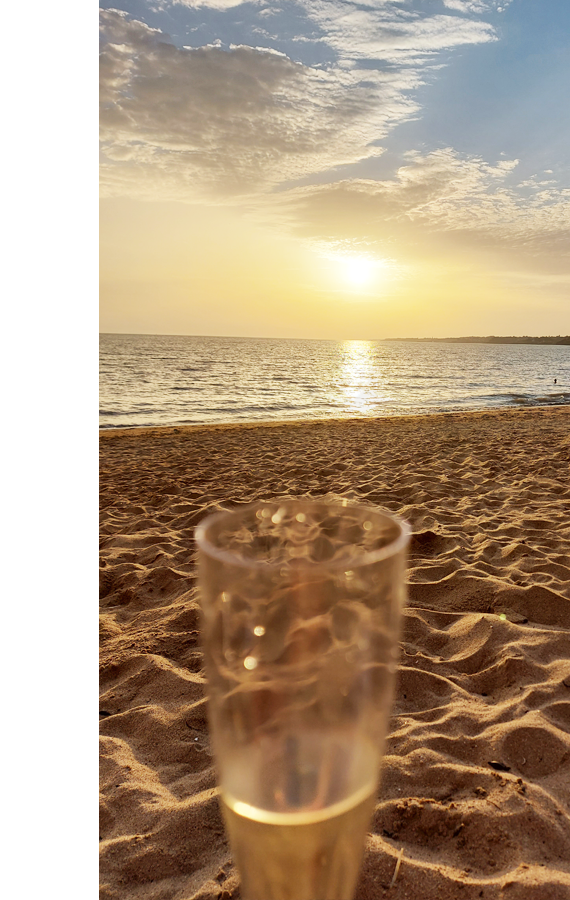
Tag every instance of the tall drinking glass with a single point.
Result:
(301, 603)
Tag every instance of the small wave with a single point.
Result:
(238, 410)
(144, 410)
(559, 399)
(103, 426)
(517, 398)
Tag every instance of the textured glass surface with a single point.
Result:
(301, 605)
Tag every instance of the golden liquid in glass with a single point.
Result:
(307, 855)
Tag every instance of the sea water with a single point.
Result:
(150, 380)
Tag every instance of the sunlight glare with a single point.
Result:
(360, 376)
(358, 270)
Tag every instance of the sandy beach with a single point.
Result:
(475, 792)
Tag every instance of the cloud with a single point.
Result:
(250, 124)
(476, 6)
(212, 4)
(384, 32)
(468, 6)
(181, 122)
(441, 194)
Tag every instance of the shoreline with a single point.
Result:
(475, 796)
(284, 423)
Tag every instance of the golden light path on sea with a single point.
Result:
(361, 377)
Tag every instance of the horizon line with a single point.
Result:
(458, 339)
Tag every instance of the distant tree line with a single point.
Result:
(491, 339)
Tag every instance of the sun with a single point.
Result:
(358, 270)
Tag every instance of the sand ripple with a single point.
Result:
(476, 782)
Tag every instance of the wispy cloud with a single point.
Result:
(212, 4)
(476, 6)
(388, 32)
(442, 193)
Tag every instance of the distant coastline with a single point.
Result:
(491, 339)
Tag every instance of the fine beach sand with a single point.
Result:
(485, 659)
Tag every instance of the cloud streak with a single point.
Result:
(211, 4)
(476, 7)
(389, 33)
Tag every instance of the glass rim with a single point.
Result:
(399, 543)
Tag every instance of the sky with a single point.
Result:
(335, 169)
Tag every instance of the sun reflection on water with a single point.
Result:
(361, 377)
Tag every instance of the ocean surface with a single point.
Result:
(150, 380)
